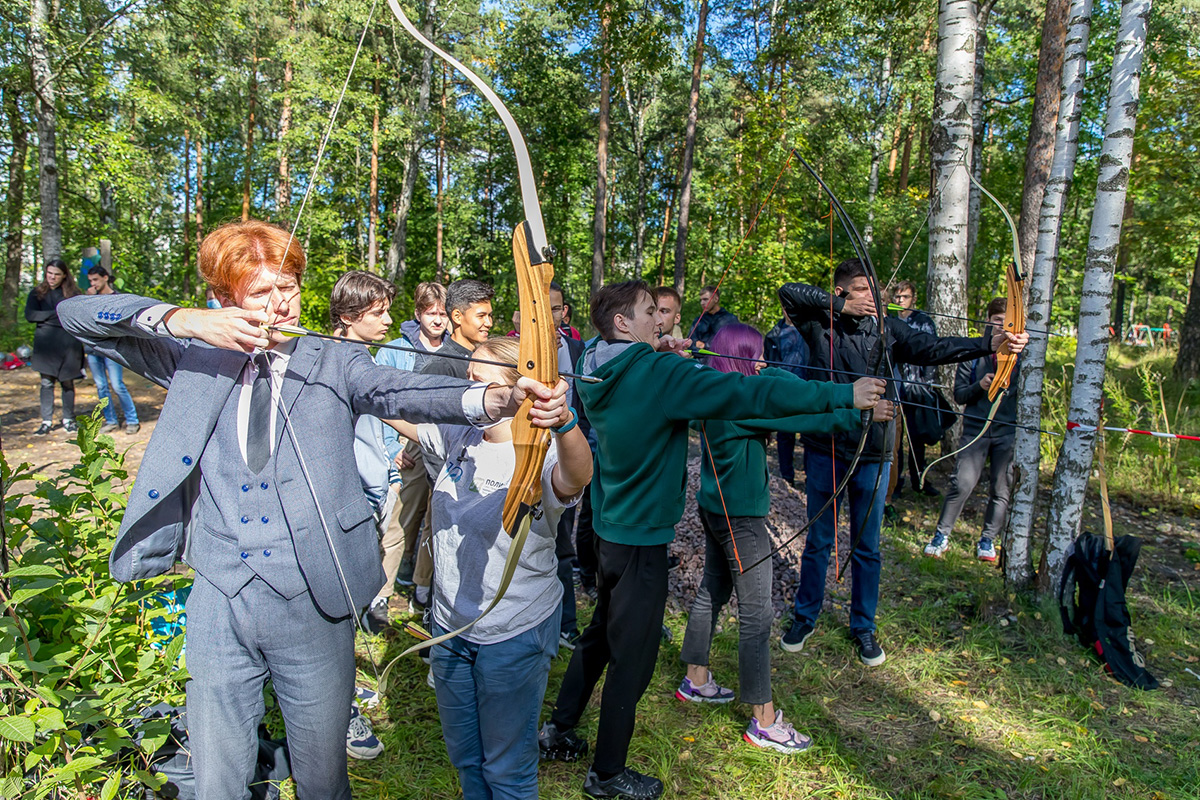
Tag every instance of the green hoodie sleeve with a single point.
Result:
(844, 419)
(688, 391)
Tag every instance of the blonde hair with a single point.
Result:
(501, 348)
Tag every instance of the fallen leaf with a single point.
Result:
(1062, 662)
(935, 716)
(979, 704)
(1140, 739)
(1120, 782)
(891, 759)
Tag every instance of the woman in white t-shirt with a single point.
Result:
(491, 680)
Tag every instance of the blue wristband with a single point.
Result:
(561, 429)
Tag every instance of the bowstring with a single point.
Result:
(278, 398)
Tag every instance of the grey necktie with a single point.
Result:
(258, 430)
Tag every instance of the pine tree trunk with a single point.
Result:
(14, 238)
(599, 222)
(1040, 282)
(397, 260)
(637, 118)
(199, 200)
(689, 152)
(1039, 149)
(187, 207)
(47, 127)
(978, 124)
(373, 190)
(885, 92)
(1187, 363)
(252, 101)
(1116, 154)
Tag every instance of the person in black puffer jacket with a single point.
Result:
(57, 355)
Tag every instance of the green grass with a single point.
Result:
(981, 697)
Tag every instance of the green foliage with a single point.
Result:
(78, 656)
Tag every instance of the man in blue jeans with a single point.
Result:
(109, 375)
(841, 331)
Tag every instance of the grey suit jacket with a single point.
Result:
(326, 387)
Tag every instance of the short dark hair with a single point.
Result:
(912, 287)
(428, 295)
(356, 293)
(667, 291)
(466, 292)
(999, 305)
(616, 298)
(711, 289)
(847, 271)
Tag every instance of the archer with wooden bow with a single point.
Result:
(1014, 323)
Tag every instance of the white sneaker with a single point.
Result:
(361, 741)
(429, 680)
(938, 545)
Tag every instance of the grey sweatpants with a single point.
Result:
(967, 471)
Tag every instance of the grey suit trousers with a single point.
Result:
(233, 646)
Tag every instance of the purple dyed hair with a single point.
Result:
(736, 339)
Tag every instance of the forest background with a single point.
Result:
(174, 116)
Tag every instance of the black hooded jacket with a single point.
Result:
(849, 343)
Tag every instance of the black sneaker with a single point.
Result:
(45, 428)
(628, 785)
(869, 651)
(69, 426)
(556, 745)
(795, 637)
(375, 619)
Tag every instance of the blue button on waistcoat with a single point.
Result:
(245, 520)
(267, 553)
(245, 554)
(265, 520)
(153, 494)
(187, 460)
(245, 487)
(263, 484)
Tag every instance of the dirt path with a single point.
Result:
(19, 419)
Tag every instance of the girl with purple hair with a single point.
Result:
(734, 499)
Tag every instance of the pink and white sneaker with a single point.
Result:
(779, 736)
(704, 693)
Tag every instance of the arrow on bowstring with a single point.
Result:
(297, 331)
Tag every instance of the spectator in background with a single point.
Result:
(921, 419)
(712, 317)
(108, 374)
(469, 304)
(516, 323)
(57, 355)
(409, 484)
(667, 312)
(569, 352)
(565, 327)
(358, 310)
(971, 383)
(785, 346)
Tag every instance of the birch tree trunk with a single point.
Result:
(187, 204)
(47, 127)
(637, 118)
(599, 218)
(1018, 551)
(1116, 154)
(283, 189)
(950, 147)
(14, 237)
(1039, 149)
(397, 260)
(689, 152)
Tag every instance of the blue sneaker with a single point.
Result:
(986, 551)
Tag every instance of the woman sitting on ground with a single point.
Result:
(491, 680)
(734, 498)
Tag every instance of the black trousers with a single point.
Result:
(623, 636)
(585, 541)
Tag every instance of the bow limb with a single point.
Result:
(538, 358)
(1014, 312)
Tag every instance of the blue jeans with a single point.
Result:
(489, 698)
(864, 562)
(109, 374)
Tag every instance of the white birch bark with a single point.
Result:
(1040, 282)
(885, 94)
(1116, 154)
(950, 145)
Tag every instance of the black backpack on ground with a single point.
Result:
(1091, 599)
(174, 759)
